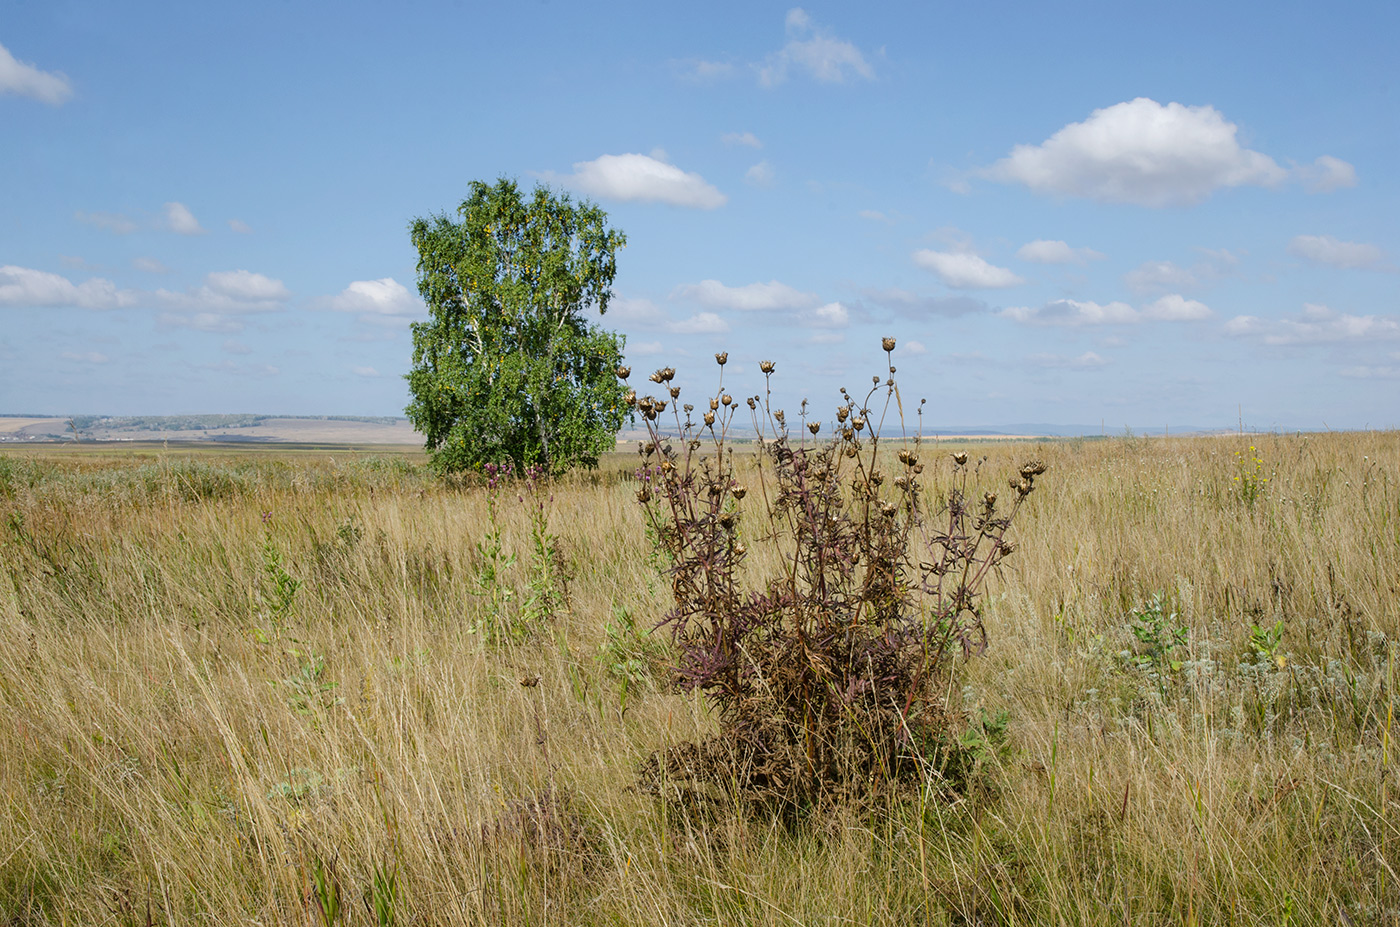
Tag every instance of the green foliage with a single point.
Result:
(507, 368)
(1158, 634)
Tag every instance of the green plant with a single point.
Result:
(384, 894)
(1266, 641)
(1158, 635)
(830, 678)
(278, 592)
(307, 691)
(547, 572)
(631, 655)
(325, 890)
(499, 620)
(1250, 481)
(508, 368)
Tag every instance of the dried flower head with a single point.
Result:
(709, 418)
(814, 427)
(722, 358)
(675, 392)
(738, 490)
(842, 412)
(714, 405)
(857, 422)
(960, 458)
(752, 402)
(887, 344)
(727, 399)
(624, 372)
(655, 376)
(766, 366)
(630, 398)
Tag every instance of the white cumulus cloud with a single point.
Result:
(1140, 152)
(640, 178)
(1348, 255)
(27, 288)
(1042, 251)
(1157, 275)
(381, 301)
(965, 271)
(150, 265)
(815, 52)
(178, 218)
(26, 80)
(752, 297)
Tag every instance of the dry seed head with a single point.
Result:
(842, 412)
(655, 376)
(850, 450)
(722, 358)
(726, 520)
(752, 403)
(643, 494)
(848, 433)
(857, 422)
(740, 550)
(766, 366)
(738, 490)
(918, 468)
(877, 477)
(688, 408)
(814, 427)
(709, 418)
(989, 499)
(668, 373)
(960, 458)
(630, 398)
(887, 344)
(659, 405)
(675, 392)
(892, 368)
(727, 399)
(780, 416)
(624, 372)
(714, 405)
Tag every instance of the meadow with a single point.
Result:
(333, 688)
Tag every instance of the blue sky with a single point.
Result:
(1066, 213)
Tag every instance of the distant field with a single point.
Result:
(263, 430)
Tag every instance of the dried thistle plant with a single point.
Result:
(830, 676)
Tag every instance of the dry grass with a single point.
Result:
(178, 747)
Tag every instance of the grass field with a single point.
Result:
(270, 687)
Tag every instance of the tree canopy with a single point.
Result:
(508, 367)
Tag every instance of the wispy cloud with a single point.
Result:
(747, 139)
(110, 221)
(815, 52)
(1072, 312)
(1347, 255)
(963, 270)
(1316, 324)
(752, 297)
(1042, 251)
(26, 80)
(179, 219)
